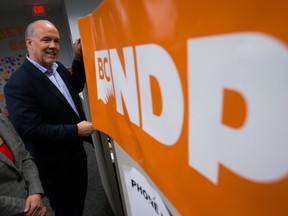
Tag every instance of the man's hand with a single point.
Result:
(34, 206)
(77, 50)
(85, 128)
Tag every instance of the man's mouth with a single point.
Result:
(51, 53)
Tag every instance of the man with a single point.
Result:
(45, 108)
(20, 187)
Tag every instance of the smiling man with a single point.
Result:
(45, 108)
(42, 40)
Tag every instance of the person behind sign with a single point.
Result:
(45, 108)
(21, 191)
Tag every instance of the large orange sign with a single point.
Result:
(197, 93)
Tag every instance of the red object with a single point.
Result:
(6, 151)
(38, 10)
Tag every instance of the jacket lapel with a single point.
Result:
(7, 161)
(71, 90)
(41, 78)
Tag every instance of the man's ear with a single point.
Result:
(28, 42)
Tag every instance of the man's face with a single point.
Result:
(43, 45)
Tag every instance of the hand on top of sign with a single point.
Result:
(78, 50)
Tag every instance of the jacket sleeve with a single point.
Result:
(78, 76)
(11, 206)
(30, 174)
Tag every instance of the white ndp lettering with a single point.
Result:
(125, 88)
(251, 63)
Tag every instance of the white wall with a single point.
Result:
(76, 9)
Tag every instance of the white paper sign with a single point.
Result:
(144, 200)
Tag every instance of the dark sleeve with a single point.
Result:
(78, 76)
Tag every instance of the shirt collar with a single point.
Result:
(41, 68)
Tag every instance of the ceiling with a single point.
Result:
(16, 5)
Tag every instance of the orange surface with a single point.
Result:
(169, 23)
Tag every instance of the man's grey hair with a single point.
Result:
(30, 30)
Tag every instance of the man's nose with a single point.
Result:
(53, 44)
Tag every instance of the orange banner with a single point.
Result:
(197, 93)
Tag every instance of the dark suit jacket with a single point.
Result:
(19, 179)
(47, 123)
